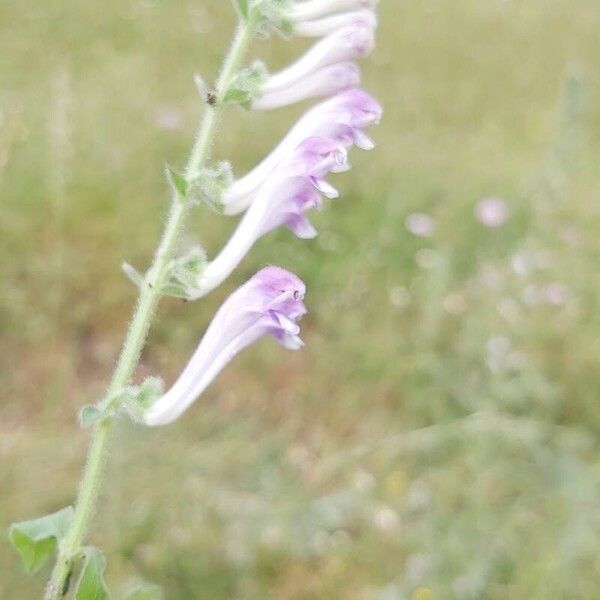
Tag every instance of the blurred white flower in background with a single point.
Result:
(491, 212)
(169, 117)
(420, 224)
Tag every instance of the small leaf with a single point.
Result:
(89, 415)
(234, 95)
(241, 7)
(209, 184)
(183, 272)
(139, 398)
(133, 274)
(178, 182)
(201, 86)
(90, 584)
(36, 540)
(151, 389)
(145, 592)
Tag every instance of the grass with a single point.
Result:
(438, 436)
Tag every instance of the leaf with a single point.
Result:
(36, 540)
(90, 584)
(133, 274)
(178, 182)
(89, 415)
(139, 398)
(150, 390)
(201, 86)
(145, 592)
(235, 95)
(242, 8)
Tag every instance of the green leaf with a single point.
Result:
(133, 274)
(89, 415)
(36, 540)
(178, 182)
(145, 592)
(138, 398)
(90, 584)
(241, 7)
(236, 95)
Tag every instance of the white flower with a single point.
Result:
(420, 224)
(491, 212)
(324, 82)
(326, 25)
(314, 9)
(348, 43)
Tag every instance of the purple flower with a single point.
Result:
(270, 303)
(341, 118)
(284, 198)
(324, 82)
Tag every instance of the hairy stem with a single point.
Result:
(149, 297)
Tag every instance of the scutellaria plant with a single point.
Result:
(279, 191)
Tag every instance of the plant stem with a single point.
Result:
(149, 297)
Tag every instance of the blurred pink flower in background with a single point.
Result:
(491, 212)
(420, 224)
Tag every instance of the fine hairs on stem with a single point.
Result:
(148, 299)
(280, 191)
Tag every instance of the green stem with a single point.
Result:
(70, 548)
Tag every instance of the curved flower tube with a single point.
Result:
(290, 192)
(313, 9)
(324, 82)
(342, 118)
(326, 25)
(348, 43)
(270, 303)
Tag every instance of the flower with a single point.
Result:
(491, 212)
(324, 82)
(328, 24)
(420, 224)
(324, 70)
(284, 198)
(314, 9)
(341, 118)
(270, 303)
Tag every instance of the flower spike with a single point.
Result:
(270, 303)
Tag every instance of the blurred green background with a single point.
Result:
(437, 438)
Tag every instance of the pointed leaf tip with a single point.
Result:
(178, 182)
(241, 7)
(90, 584)
(36, 540)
